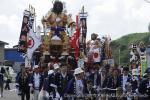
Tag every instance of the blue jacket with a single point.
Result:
(134, 83)
(32, 80)
(98, 79)
(144, 87)
(47, 84)
(62, 82)
(110, 83)
(71, 87)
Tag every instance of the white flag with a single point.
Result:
(34, 42)
(27, 62)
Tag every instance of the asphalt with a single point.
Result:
(11, 94)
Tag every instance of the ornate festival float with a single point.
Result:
(62, 40)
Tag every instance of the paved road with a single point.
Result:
(11, 94)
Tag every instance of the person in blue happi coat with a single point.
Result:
(62, 78)
(36, 82)
(144, 87)
(125, 78)
(77, 85)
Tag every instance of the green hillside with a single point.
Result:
(124, 42)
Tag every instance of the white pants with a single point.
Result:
(36, 94)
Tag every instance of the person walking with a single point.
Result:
(8, 79)
(1, 82)
(36, 82)
(23, 82)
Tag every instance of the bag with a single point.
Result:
(43, 95)
(9, 80)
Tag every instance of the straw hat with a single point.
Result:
(78, 71)
(50, 72)
(56, 66)
(36, 66)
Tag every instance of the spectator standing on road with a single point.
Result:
(8, 79)
(1, 82)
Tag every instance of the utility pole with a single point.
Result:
(119, 56)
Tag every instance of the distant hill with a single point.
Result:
(124, 42)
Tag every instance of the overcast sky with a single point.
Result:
(105, 17)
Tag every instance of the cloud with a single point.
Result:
(113, 17)
(9, 28)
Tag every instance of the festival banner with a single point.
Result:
(83, 29)
(75, 38)
(22, 45)
(148, 56)
(143, 65)
(34, 39)
(83, 25)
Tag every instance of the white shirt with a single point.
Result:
(102, 79)
(36, 80)
(63, 75)
(79, 87)
(124, 81)
(80, 62)
(96, 55)
(91, 46)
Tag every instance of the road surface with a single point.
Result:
(11, 94)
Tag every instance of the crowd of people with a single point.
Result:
(88, 78)
(85, 76)
(91, 79)
(56, 82)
